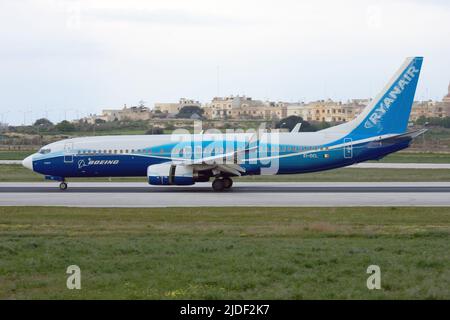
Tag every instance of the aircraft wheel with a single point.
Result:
(227, 182)
(218, 185)
(63, 186)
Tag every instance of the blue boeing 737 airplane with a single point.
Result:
(184, 159)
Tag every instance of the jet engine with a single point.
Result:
(170, 174)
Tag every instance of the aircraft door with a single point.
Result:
(348, 148)
(68, 152)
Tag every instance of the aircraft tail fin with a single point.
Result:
(389, 112)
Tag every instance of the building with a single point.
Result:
(134, 113)
(237, 107)
(110, 115)
(230, 107)
(327, 110)
(446, 99)
(431, 109)
(175, 107)
(242, 107)
(245, 108)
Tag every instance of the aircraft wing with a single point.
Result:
(226, 162)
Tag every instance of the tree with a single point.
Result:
(43, 122)
(65, 126)
(187, 111)
(155, 131)
(291, 121)
(322, 125)
(421, 120)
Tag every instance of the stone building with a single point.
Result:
(126, 114)
(327, 110)
(431, 109)
(172, 108)
(242, 107)
(446, 99)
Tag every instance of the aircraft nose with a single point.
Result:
(28, 162)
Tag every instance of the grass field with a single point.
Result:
(15, 155)
(404, 157)
(17, 173)
(231, 253)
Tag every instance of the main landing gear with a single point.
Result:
(63, 186)
(220, 184)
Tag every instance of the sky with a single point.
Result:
(64, 59)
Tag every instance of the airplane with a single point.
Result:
(184, 159)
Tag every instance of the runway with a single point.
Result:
(264, 194)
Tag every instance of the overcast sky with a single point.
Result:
(67, 58)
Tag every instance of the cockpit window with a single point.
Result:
(44, 151)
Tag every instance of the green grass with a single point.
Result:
(15, 155)
(405, 157)
(230, 253)
(17, 173)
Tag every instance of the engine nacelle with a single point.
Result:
(170, 174)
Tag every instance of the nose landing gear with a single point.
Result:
(221, 184)
(63, 186)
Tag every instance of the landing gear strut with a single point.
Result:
(63, 186)
(221, 184)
